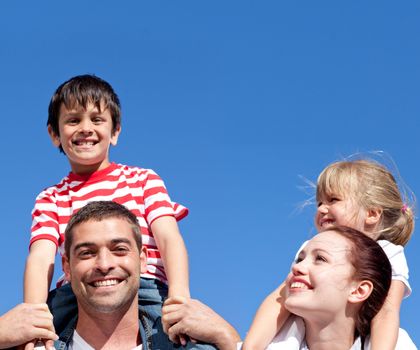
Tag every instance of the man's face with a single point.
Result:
(104, 265)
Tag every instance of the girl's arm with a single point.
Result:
(268, 320)
(174, 255)
(39, 271)
(385, 325)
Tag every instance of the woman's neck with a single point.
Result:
(337, 335)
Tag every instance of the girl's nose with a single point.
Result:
(323, 208)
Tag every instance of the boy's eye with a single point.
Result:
(72, 121)
(97, 120)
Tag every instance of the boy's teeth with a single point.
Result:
(105, 283)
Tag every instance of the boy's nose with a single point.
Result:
(85, 126)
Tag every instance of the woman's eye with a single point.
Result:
(320, 258)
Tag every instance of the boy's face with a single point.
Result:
(85, 135)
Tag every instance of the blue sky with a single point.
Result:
(231, 103)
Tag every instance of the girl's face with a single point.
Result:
(339, 210)
(321, 278)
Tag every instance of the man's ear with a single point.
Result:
(66, 266)
(54, 137)
(115, 134)
(373, 216)
(143, 259)
(360, 292)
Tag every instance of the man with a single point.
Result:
(103, 260)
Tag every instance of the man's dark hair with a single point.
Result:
(98, 211)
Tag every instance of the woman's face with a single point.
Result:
(320, 281)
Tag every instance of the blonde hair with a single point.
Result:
(372, 186)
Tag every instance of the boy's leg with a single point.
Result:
(152, 294)
(63, 306)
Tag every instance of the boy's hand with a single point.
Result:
(198, 321)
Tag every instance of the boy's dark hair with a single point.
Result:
(98, 211)
(79, 91)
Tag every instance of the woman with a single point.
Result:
(337, 284)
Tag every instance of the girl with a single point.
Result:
(364, 195)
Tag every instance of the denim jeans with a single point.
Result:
(152, 293)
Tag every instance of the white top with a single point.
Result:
(396, 256)
(78, 343)
(292, 337)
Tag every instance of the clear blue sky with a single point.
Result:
(230, 102)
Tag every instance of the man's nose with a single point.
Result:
(105, 261)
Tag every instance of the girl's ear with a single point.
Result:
(54, 137)
(373, 217)
(360, 291)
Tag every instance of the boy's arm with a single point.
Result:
(39, 271)
(385, 325)
(174, 255)
(268, 320)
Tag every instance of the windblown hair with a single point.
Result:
(98, 211)
(373, 187)
(79, 91)
(370, 263)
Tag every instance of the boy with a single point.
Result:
(84, 119)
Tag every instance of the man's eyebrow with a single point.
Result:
(121, 240)
(83, 245)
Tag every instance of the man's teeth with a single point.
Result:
(105, 283)
(299, 285)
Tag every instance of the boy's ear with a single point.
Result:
(114, 136)
(373, 216)
(54, 137)
(360, 292)
(66, 266)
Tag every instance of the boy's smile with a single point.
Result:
(85, 136)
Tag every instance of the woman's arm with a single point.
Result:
(268, 320)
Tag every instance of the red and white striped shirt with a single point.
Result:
(142, 191)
